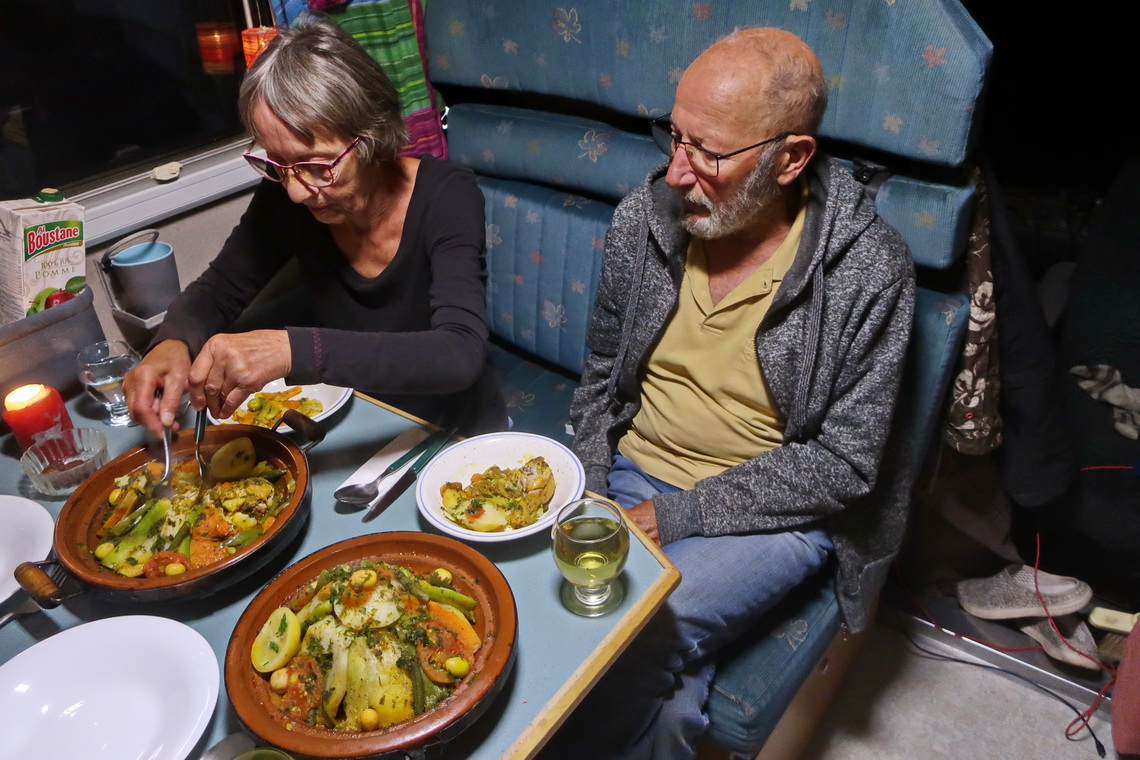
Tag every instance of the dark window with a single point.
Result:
(93, 89)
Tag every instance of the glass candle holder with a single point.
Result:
(218, 46)
(254, 40)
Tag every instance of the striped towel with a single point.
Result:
(392, 31)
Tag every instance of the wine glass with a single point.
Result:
(590, 543)
(102, 367)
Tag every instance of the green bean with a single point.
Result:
(450, 596)
(132, 519)
(425, 692)
(242, 537)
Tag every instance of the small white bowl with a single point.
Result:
(507, 450)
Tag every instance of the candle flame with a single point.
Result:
(25, 395)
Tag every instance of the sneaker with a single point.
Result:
(1011, 594)
(1075, 632)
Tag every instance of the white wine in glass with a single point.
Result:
(590, 543)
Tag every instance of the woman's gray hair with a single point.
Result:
(317, 79)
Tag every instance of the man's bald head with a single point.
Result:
(768, 77)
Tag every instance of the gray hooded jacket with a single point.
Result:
(831, 350)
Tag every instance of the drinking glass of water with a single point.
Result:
(591, 544)
(102, 367)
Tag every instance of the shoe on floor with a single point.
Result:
(1011, 594)
(1075, 631)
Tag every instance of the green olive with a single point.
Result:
(457, 666)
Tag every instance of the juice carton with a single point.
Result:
(41, 254)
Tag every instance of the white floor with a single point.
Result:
(897, 704)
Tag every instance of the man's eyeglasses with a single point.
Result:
(311, 173)
(703, 160)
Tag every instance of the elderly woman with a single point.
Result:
(390, 252)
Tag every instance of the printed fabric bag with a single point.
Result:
(392, 31)
(973, 424)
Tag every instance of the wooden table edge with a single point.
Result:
(555, 711)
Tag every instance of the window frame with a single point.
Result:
(117, 208)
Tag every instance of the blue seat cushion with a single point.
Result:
(940, 322)
(538, 394)
(759, 675)
(544, 256)
(559, 151)
(568, 156)
(903, 77)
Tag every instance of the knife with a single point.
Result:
(396, 466)
(407, 478)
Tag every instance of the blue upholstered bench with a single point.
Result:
(550, 107)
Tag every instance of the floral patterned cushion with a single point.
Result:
(561, 151)
(543, 259)
(898, 71)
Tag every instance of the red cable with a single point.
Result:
(1083, 719)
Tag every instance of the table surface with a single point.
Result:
(560, 655)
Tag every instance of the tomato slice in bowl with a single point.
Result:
(156, 566)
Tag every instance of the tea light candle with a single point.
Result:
(33, 409)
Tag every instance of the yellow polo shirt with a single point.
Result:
(704, 404)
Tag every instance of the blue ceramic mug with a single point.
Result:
(144, 276)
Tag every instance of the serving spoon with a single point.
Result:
(199, 434)
(162, 488)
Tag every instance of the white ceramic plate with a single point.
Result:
(507, 450)
(26, 537)
(332, 397)
(134, 687)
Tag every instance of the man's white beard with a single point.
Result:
(758, 193)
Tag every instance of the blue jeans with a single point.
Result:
(651, 703)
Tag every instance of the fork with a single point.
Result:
(46, 589)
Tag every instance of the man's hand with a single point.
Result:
(645, 516)
(154, 388)
(231, 367)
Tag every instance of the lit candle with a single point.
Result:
(254, 40)
(31, 410)
(218, 45)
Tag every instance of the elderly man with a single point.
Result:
(747, 345)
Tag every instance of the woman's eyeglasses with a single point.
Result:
(703, 160)
(310, 173)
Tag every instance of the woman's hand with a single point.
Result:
(164, 369)
(230, 367)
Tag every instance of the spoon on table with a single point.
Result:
(365, 493)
